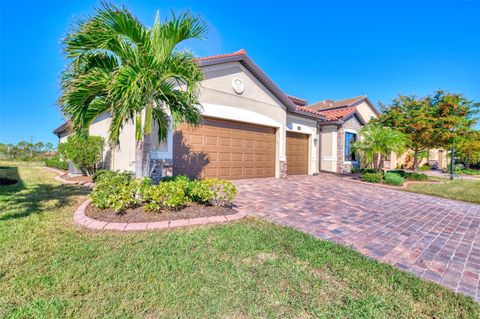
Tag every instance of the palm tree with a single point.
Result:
(135, 73)
(378, 142)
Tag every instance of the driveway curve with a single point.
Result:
(433, 238)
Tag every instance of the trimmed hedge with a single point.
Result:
(393, 179)
(372, 177)
(56, 162)
(400, 172)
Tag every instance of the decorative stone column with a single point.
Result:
(283, 168)
(160, 168)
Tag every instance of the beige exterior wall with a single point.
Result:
(328, 148)
(63, 137)
(303, 125)
(365, 111)
(120, 158)
(219, 100)
(437, 156)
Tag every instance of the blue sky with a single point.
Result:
(314, 50)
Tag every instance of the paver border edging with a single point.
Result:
(80, 218)
(64, 181)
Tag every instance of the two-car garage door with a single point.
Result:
(224, 149)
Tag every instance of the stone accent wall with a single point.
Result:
(351, 124)
(161, 168)
(283, 169)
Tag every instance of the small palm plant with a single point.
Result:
(134, 73)
(377, 143)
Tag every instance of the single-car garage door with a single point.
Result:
(297, 153)
(224, 149)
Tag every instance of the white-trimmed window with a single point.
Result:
(348, 153)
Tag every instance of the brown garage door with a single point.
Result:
(297, 153)
(224, 149)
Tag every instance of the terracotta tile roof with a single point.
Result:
(298, 101)
(225, 55)
(338, 114)
(306, 109)
(330, 104)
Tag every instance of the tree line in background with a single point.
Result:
(437, 121)
(26, 151)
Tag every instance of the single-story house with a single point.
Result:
(251, 128)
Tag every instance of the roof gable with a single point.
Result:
(242, 57)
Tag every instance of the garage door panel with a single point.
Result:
(226, 149)
(297, 153)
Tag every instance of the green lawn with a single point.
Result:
(459, 189)
(251, 269)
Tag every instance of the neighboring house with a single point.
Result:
(340, 129)
(250, 129)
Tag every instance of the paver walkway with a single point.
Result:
(433, 238)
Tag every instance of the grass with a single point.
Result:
(251, 269)
(459, 189)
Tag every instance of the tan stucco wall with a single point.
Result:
(303, 125)
(435, 155)
(99, 127)
(328, 148)
(365, 111)
(121, 157)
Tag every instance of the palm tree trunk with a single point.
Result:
(139, 159)
(376, 162)
(382, 161)
(415, 159)
(147, 146)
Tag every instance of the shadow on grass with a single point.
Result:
(11, 173)
(21, 201)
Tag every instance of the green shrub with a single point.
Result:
(166, 195)
(223, 191)
(200, 192)
(416, 176)
(469, 171)
(393, 179)
(85, 154)
(117, 191)
(372, 177)
(99, 173)
(56, 162)
(175, 178)
(425, 168)
(400, 172)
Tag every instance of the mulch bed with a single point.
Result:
(139, 215)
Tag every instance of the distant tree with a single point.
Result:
(84, 153)
(4, 151)
(468, 148)
(378, 142)
(135, 73)
(49, 147)
(429, 122)
(24, 150)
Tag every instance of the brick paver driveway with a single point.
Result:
(433, 238)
